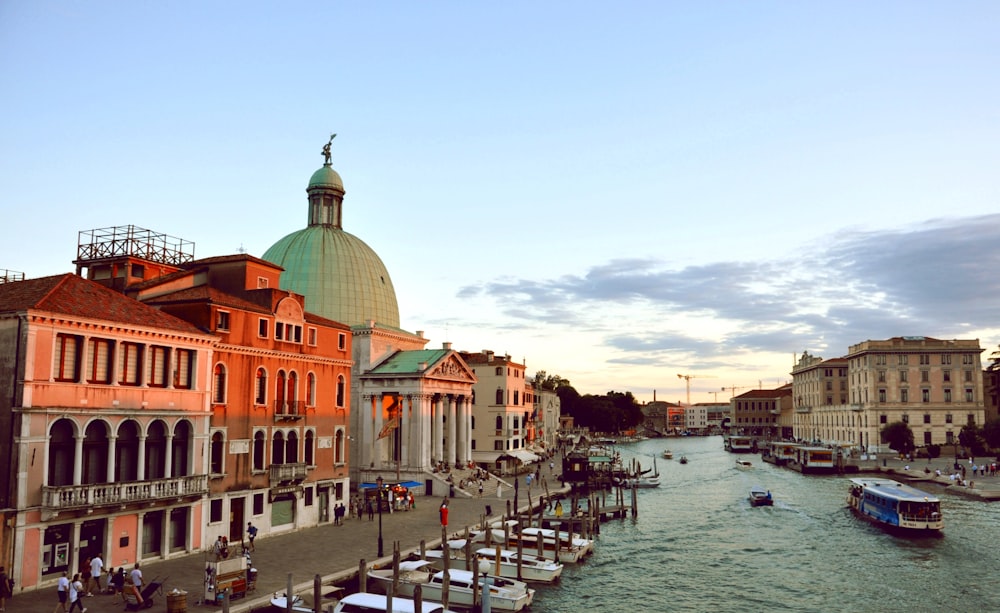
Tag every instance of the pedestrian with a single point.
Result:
(62, 590)
(251, 535)
(96, 570)
(552, 465)
(499, 490)
(443, 512)
(135, 582)
(480, 488)
(413, 502)
(217, 549)
(84, 578)
(76, 594)
(371, 511)
(118, 581)
(6, 588)
(559, 508)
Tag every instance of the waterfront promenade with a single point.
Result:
(329, 551)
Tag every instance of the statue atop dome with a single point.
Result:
(326, 149)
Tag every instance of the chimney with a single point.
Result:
(446, 345)
(488, 354)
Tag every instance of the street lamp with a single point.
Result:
(379, 502)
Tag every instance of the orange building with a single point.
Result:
(280, 395)
(104, 405)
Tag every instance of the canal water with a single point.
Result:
(697, 545)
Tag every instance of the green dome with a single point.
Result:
(326, 177)
(341, 277)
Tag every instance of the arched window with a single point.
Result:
(156, 450)
(338, 449)
(219, 384)
(278, 448)
(218, 442)
(127, 452)
(180, 455)
(258, 450)
(292, 448)
(260, 387)
(62, 453)
(311, 390)
(499, 396)
(341, 388)
(279, 398)
(95, 453)
(307, 449)
(293, 393)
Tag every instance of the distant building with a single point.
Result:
(933, 385)
(819, 390)
(757, 412)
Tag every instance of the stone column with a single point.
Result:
(78, 463)
(437, 431)
(462, 434)
(112, 443)
(376, 429)
(452, 409)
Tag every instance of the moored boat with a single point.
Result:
(505, 564)
(895, 505)
(760, 497)
(505, 594)
(376, 603)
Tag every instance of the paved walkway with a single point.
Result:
(333, 552)
(983, 487)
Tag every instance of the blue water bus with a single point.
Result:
(895, 505)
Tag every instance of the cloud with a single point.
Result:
(937, 278)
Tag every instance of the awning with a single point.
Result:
(524, 455)
(486, 456)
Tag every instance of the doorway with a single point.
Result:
(237, 515)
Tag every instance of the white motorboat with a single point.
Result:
(376, 603)
(533, 568)
(505, 594)
(280, 601)
(743, 464)
(760, 497)
(668, 455)
(565, 551)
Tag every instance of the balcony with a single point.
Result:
(56, 498)
(289, 410)
(288, 473)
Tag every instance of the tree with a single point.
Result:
(545, 381)
(899, 437)
(972, 439)
(991, 432)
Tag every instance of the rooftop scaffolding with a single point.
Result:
(9, 276)
(121, 241)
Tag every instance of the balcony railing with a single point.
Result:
(289, 410)
(285, 473)
(66, 497)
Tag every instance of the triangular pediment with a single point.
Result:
(451, 367)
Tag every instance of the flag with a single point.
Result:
(388, 427)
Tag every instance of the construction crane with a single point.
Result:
(687, 379)
(735, 388)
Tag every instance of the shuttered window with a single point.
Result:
(65, 366)
(99, 361)
(130, 364)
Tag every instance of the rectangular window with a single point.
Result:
(880, 360)
(298, 334)
(925, 359)
(968, 358)
(67, 354)
(308, 496)
(904, 395)
(184, 372)
(947, 418)
(947, 375)
(262, 328)
(969, 397)
(906, 418)
(159, 360)
(946, 358)
(99, 361)
(967, 376)
(881, 395)
(279, 330)
(882, 419)
(904, 376)
(312, 337)
(947, 395)
(215, 511)
(130, 364)
(258, 504)
(222, 320)
(881, 376)
(925, 395)
(904, 359)
(927, 418)
(262, 283)
(927, 438)
(925, 376)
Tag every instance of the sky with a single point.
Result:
(616, 193)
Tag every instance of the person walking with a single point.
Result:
(62, 590)
(96, 569)
(117, 580)
(6, 588)
(136, 584)
(84, 578)
(76, 594)
(251, 534)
